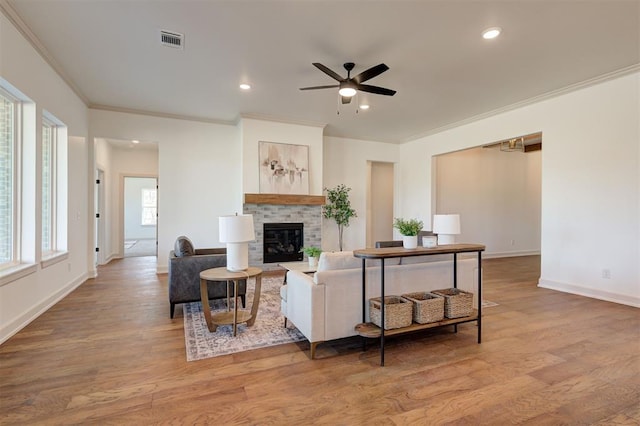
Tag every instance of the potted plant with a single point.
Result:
(339, 208)
(313, 253)
(409, 228)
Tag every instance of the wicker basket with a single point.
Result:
(397, 312)
(427, 307)
(457, 303)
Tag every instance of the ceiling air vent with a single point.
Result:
(171, 39)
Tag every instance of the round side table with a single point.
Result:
(237, 316)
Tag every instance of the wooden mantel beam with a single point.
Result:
(285, 199)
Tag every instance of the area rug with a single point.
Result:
(268, 329)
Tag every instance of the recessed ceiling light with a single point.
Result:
(364, 106)
(135, 141)
(245, 86)
(492, 32)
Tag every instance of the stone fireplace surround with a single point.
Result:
(270, 208)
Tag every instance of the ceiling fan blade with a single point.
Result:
(332, 86)
(328, 72)
(346, 99)
(375, 89)
(370, 73)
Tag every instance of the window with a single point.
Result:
(9, 116)
(149, 206)
(49, 184)
(53, 190)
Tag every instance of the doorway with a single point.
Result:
(140, 216)
(99, 223)
(497, 193)
(380, 202)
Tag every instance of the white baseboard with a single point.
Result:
(496, 254)
(23, 320)
(111, 257)
(590, 292)
(162, 269)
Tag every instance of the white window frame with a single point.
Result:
(51, 247)
(16, 182)
(57, 250)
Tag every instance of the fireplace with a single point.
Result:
(282, 242)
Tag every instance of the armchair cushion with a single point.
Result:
(183, 247)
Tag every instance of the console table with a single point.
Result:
(372, 331)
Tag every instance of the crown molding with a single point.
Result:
(21, 26)
(562, 91)
(161, 114)
(265, 117)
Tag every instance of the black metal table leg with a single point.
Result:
(479, 297)
(364, 287)
(455, 281)
(382, 313)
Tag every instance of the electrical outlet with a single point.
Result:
(606, 274)
(513, 242)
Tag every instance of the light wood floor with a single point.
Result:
(109, 354)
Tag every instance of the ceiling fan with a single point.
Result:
(350, 85)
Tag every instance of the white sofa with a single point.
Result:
(328, 305)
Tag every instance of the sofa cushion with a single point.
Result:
(330, 261)
(183, 247)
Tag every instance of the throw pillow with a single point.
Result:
(338, 260)
(183, 247)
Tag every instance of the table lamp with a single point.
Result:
(447, 226)
(237, 231)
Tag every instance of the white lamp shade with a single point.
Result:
(236, 228)
(448, 224)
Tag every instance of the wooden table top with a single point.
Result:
(223, 274)
(388, 252)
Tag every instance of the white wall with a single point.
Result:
(198, 174)
(346, 161)
(497, 195)
(24, 299)
(590, 183)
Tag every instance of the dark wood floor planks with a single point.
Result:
(109, 354)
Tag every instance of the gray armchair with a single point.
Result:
(185, 265)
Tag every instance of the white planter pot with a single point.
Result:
(313, 261)
(410, 241)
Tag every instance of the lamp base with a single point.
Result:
(444, 239)
(237, 257)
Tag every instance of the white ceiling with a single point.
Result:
(442, 69)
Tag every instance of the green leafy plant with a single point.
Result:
(408, 227)
(339, 208)
(311, 251)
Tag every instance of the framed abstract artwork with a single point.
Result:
(284, 168)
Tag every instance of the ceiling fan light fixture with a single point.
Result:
(491, 33)
(347, 90)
